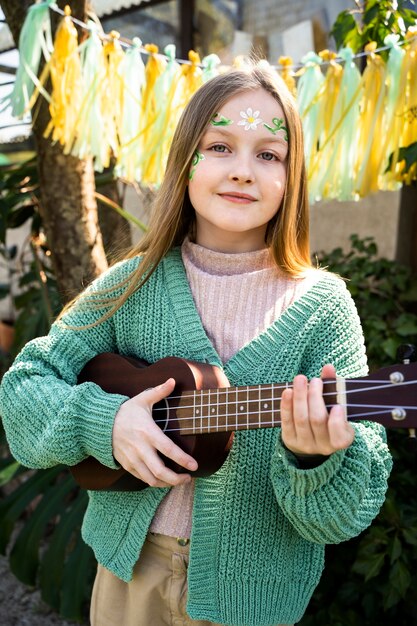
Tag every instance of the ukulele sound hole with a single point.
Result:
(160, 414)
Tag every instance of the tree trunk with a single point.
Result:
(69, 215)
(407, 227)
(69, 208)
(115, 229)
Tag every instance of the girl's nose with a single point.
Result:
(238, 178)
(241, 172)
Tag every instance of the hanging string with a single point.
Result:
(124, 41)
(288, 66)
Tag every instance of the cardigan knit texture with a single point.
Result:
(260, 523)
(222, 277)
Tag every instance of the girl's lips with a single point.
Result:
(241, 198)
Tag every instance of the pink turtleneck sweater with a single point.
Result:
(237, 297)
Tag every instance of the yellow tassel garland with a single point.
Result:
(355, 127)
(65, 71)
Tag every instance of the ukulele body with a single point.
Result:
(127, 376)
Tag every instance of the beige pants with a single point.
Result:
(157, 594)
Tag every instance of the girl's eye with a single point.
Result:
(268, 156)
(218, 147)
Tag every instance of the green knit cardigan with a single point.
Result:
(260, 523)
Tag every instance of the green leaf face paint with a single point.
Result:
(278, 123)
(222, 121)
(197, 157)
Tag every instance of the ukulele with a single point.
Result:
(203, 410)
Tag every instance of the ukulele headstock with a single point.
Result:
(407, 353)
(388, 395)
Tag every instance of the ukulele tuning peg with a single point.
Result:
(411, 441)
(406, 353)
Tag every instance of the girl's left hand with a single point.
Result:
(307, 427)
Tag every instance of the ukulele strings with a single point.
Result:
(197, 429)
(235, 401)
(378, 384)
(380, 409)
(275, 421)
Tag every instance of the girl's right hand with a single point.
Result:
(137, 440)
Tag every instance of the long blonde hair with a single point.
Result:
(173, 217)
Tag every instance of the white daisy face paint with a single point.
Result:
(239, 185)
(251, 121)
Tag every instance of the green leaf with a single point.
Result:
(77, 580)
(344, 29)
(13, 505)
(406, 325)
(410, 295)
(390, 346)
(7, 473)
(391, 510)
(400, 577)
(3, 226)
(396, 549)
(407, 154)
(52, 563)
(116, 207)
(20, 216)
(409, 16)
(392, 598)
(24, 556)
(410, 536)
(4, 290)
(370, 566)
(371, 12)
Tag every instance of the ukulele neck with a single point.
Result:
(240, 408)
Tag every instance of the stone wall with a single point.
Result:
(262, 18)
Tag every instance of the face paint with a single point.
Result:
(250, 119)
(195, 161)
(223, 121)
(278, 126)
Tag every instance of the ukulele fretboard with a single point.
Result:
(232, 408)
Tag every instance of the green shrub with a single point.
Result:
(371, 580)
(385, 294)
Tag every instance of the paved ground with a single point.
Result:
(21, 605)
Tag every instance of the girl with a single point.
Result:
(224, 277)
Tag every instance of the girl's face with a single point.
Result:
(238, 174)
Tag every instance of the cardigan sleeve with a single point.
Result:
(339, 498)
(48, 418)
